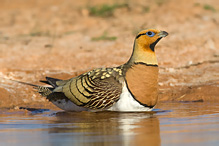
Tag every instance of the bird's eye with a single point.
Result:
(150, 33)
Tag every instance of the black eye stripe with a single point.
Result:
(147, 33)
(140, 35)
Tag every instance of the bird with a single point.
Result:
(130, 87)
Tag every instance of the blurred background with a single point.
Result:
(66, 38)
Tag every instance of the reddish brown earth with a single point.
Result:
(54, 38)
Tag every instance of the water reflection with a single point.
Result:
(180, 123)
(108, 128)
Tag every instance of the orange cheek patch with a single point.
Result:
(145, 41)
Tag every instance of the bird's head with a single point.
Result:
(147, 39)
(145, 42)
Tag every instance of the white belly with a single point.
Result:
(127, 103)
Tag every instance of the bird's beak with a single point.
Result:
(162, 34)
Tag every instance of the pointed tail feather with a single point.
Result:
(46, 82)
(51, 81)
(25, 83)
(44, 91)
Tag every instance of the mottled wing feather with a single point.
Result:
(44, 91)
(97, 89)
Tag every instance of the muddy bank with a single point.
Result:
(65, 39)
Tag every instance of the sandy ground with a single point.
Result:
(57, 38)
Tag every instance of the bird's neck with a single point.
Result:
(142, 54)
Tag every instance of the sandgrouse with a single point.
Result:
(132, 86)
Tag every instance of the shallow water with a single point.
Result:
(169, 124)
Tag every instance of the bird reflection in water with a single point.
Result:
(105, 128)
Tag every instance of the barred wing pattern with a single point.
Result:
(97, 89)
